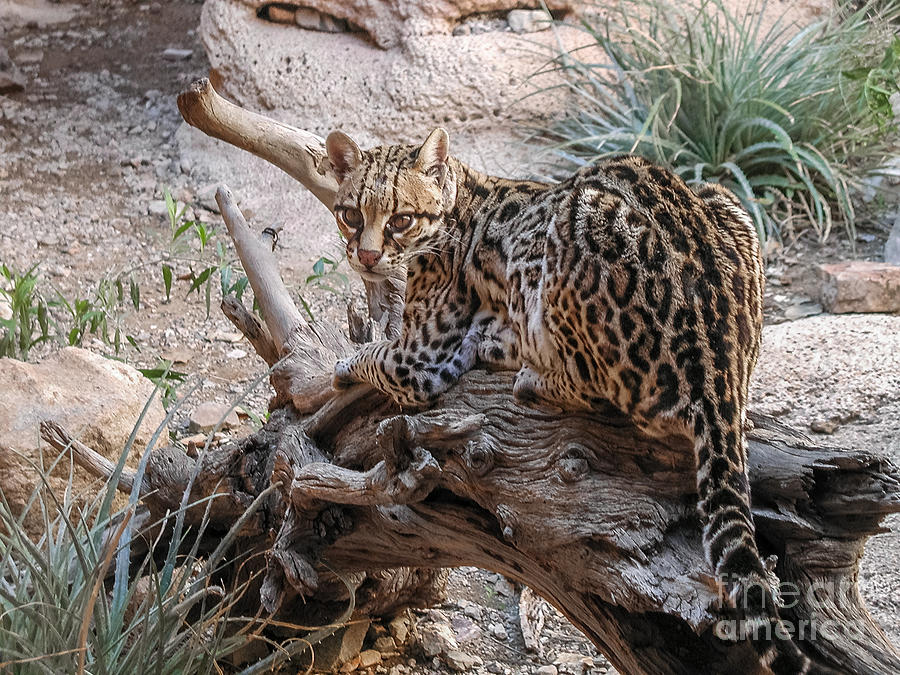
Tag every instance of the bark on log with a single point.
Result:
(582, 508)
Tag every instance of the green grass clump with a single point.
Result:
(791, 119)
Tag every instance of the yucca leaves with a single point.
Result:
(789, 118)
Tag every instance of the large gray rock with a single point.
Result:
(829, 367)
(409, 76)
(98, 400)
(389, 23)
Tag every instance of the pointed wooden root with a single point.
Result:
(303, 353)
(531, 620)
(298, 153)
(262, 269)
(251, 328)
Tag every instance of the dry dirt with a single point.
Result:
(87, 149)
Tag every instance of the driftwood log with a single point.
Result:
(583, 509)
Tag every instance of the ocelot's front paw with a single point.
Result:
(343, 377)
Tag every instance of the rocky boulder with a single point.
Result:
(860, 286)
(98, 400)
(386, 70)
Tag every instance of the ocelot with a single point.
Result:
(620, 284)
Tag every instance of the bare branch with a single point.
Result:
(252, 328)
(261, 268)
(298, 153)
(89, 460)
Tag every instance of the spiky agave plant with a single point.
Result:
(778, 113)
(79, 601)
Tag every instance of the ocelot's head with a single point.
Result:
(391, 201)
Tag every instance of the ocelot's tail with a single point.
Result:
(728, 539)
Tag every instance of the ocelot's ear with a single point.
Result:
(432, 159)
(343, 153)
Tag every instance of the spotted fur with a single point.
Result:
(620, 284)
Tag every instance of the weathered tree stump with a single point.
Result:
(582, 508)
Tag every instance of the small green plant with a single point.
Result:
(203, 270)
(166, 380)
(28, 322)
(880, 83)
(327, 275)
(101, 313)
(772, 113)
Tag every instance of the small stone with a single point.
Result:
(351, 665)
(473, 611)
(462, 662)
(369, 658)
(528, 20)
(30, 56)
(177, 54)
(208, 415)
(823, 426)
(158, 207)
(494, 667)
(503, 587)
(399, 628)
(801, 310)
(465, 629)
(179, 355)
(307, 18)
(223, 336)
(572, 663)
(437, 638)
(207, 202)
(498, 631)
(11, 78)
(860, 286)
(342, 648)
(311, 19)
(236, 354)
(194, 442)
(386, 645)
(280, 14)
(546, 670)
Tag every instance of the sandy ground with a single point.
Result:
(87, 149)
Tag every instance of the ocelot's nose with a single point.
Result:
(368, 258)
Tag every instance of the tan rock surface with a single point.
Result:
(860, 286)
(98, 400)
(324, 80)
(391, 22)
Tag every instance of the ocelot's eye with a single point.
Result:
(350, 217)
(400, 222)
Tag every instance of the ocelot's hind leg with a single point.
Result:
(543, 390)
